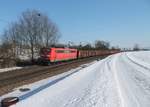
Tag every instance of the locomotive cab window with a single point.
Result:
(45, 50)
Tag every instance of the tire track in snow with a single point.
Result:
(128, 84)
(118, 84)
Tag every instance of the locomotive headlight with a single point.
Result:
(48, 55)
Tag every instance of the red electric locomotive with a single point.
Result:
(51, 55)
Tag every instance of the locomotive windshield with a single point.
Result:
(45, 50)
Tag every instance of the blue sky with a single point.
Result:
(120, 22)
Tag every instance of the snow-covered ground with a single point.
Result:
(121, 80)
(9, 69)
(40, 85)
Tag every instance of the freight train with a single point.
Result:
(54, 55)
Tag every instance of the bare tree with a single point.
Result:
(101, 45)
(50, 32)
(6, 55)
(136, 47)
(88, 46)
(33, 30)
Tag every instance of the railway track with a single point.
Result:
(13, 79)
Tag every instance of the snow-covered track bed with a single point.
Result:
(16, 78)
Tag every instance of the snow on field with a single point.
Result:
(141, 55)
(121, 80)
(9, 69)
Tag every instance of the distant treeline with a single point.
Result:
(97, 45)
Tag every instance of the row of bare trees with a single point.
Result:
(30, 32)
(97, 45)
